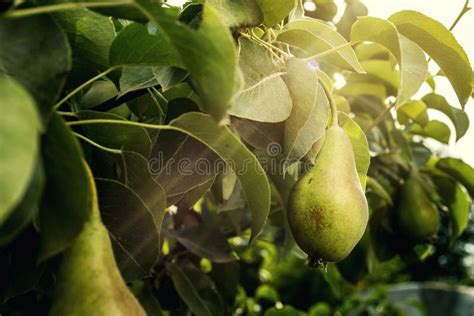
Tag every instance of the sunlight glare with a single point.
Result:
(339, 81)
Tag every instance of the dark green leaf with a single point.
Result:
(123, 11)
(209, 54)
(440, 44)
(459, 118)
(284, 311)
(243, 13)
(195, 288)
(144, 293)
(36, 52)
(334, 278)
(134, 45)
(132, 228)
(139, 179)
(275, 11)
(457, 201)
(459, 170)
(66, 200)
(19, 132)
(249, 171)
(131, 138)
(90, 35)
(258, 134)
(100, 92)
(204, 241)
(181, 164)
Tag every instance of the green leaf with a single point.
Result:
(66, 201)
(434, 129)
(195, 288)
(284, 311)
(369, 51)
(182, 165)
(457, 201)
(130, 138)
(141, 77)
(354, 9)
(410, 57)
(334, 278)
(264, 96)
(145, 295)
(354, 89)
(459, 118)
(249, 171)
(310, 112)
(378, 189)
(134, 45)
(244, 13)
(316, 37)
(459, 206)
(413, 110)
(459, 170)
(275, 11)
(257, 134)
(208, 53)
(124, 11)
(36, 52)
(99, 92)
(204, 240)
(383, 70)
(19, 137)
(90, 36)
(136, 78)
(359, 145)
(436, 40)
(140, 180)
(26, 210)
(132, 228)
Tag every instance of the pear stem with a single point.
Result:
(332, 104)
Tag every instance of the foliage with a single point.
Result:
(196, 123)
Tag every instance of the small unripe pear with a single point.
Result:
(327, 208)
(417, 215)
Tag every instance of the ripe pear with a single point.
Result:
(417, 215)
(89, 282)
(327, 208)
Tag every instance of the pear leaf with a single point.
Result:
(264, 97)
(19, 149)
(438, 42)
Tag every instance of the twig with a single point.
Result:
(381, 117)
(63, 7)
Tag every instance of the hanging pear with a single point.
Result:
(417, 215)
(327, 208)
(89, 282)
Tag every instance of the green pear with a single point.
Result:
(89, 282)
(327, 208)
(417, 215)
